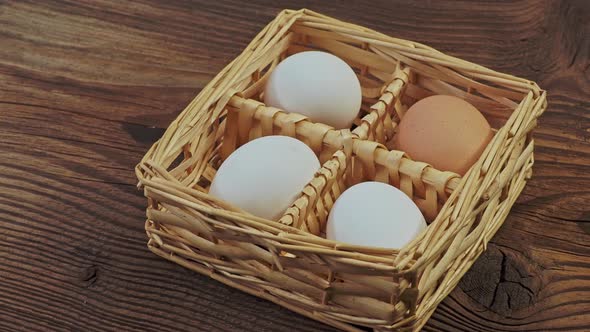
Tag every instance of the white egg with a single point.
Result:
(374, 214)
(266, 175)
(318, 85)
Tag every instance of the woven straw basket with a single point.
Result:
(288, 262)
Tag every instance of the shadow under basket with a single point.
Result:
(288, 261)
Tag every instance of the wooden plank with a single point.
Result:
(87, 86)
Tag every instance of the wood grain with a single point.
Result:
(87, 86)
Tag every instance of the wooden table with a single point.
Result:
(87, 86)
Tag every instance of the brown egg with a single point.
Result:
(444, 131)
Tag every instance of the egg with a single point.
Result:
(444, 131)
(264, 176)
(318, 85)
(374, 214)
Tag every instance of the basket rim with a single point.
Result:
(142, 170)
